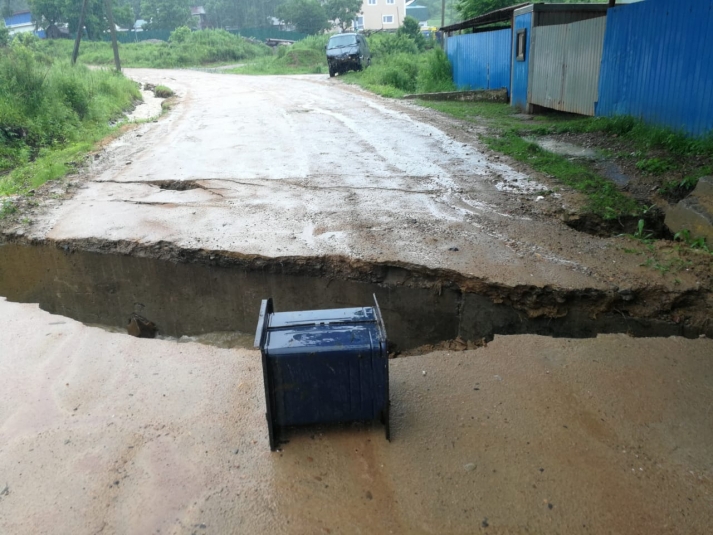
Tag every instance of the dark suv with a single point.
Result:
(347, 52)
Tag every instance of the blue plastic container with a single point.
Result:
(323, 367)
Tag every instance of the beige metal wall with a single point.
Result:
(373, 14)
(565, 65)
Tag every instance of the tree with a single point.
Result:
(166, 14)
(411, 29)
(240, 13)
(308, 16)
(4, 34)
(472, 8)
(344, 11)
(48, 12)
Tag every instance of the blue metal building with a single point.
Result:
(555, 59)
(658, 64)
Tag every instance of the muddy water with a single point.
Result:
(204, 302)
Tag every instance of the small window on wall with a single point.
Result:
(372, 2)
(389, 2)
(387, 19)
(520, 45)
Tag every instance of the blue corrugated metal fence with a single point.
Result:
(658, 65)
(481, 60)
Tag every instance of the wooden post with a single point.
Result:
(612, 3)
(443, 13)
(112, 29)
(80, 30)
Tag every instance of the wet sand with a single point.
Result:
(101, 432)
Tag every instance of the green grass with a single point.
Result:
(304, 57)
(604, 199)
(161, 91)
(206, 47)
(492, 113)
(51, 114)
(395, 75)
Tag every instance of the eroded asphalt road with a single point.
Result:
(103, 433)
(305, 166)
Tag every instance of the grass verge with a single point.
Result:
(51, 114)
(654, 153)
(604, 199)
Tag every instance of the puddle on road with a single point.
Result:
(209, 300)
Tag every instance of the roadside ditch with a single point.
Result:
(198, 292)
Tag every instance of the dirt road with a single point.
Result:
(305, 166)
(314, 192)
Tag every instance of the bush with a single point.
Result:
(437, 74)
(45, 107)
(161, 91)
(387, 44)
(180, 35)
(4, 34)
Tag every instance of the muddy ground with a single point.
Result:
(314, 192)
(103, 432)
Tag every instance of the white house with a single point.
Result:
(381, 15)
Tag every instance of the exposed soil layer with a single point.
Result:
(193, 292)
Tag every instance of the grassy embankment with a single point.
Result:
(51, 114)
(184, 49)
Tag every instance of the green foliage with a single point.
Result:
(48, 12)
(437, 73)
(47, 107)
(473, 8)
(344, 11)
(604, 199)
(180, 35)
(394, 75)
(304, 57)
(640, 233)
(203, 47)
(654, 166)
(4, 34)
(387, 44)
(240, 13)
(697, 243)
(410, 28)
(166, 14)
(161, 91)
(7, 208)
(308, 16)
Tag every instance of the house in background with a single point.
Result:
(17, 16)
(381, 15)
(420, 13)
(199, 17)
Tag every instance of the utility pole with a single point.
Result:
(80, 30)
(612, 3)
(443, 13)
(112, 29)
